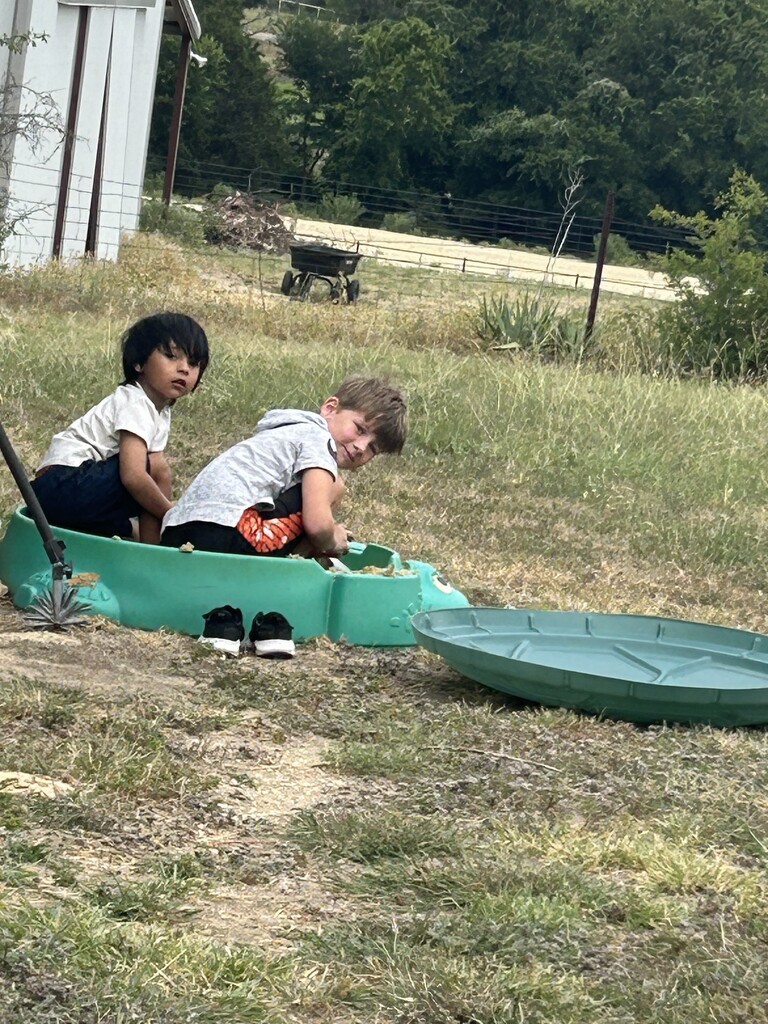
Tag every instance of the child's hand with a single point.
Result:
(341, 539)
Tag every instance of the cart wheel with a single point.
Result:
(287, 283)
(353, 290)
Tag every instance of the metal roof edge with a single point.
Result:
(189, 15)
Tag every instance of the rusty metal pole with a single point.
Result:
(178, 106)
(604, 232)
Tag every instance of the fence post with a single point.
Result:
(178, 106)
(605, 231)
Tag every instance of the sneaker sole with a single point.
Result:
(275, 648)
(220, 644)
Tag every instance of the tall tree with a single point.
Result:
(321, 58)
(658, 98)
(400, 109)
(231, 111)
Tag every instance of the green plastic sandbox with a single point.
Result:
(152, 587)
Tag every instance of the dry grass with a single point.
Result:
(341, 837)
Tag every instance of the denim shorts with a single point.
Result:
(90, 498)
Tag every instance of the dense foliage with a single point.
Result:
(657, 100)
(720, 323)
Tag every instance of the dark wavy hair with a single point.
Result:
(160, 331)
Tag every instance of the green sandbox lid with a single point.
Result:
(633, 667)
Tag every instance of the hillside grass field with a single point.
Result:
(362, 836)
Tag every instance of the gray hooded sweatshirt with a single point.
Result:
(258, 470)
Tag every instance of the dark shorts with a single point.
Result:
(90, 498)
(227, 540)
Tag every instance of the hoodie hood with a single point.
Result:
(284, 417)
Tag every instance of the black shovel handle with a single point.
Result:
(54, 548)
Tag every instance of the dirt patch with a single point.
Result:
(22, 783)
(266, 780)
(274, 914)
(99, 656)
(279, 896)
(255, 886)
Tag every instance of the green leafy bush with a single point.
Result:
(181, 223)
(720, 323)
(339, 209)
(618, 251)
(403, 221)
(221, 190)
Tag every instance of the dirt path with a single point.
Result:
(252, 771)
(513, 264)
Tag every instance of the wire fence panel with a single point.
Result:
(439, 214)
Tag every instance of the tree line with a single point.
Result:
(655, 100)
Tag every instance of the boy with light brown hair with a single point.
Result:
(276, 492)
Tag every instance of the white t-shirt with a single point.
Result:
(258, 470)
(96, 435)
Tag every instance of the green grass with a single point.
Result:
(441, 854)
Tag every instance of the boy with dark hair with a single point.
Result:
(109, 465)
(276, 492)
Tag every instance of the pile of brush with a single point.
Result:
(238, 222)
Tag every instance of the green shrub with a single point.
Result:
(403, 221)
(154, 183)
(720, 323)
(339, 209)
(181, 223)
(221, 190)
(618, 251)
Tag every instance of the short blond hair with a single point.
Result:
(382, 404)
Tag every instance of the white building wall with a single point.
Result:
(36, 164)
(80, 190)
(133, 72)
(129, 40)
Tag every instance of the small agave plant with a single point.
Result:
(57, 609)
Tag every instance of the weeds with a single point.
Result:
(73, 964)
(367, 838)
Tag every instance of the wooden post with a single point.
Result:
(178, 106)
(605, 231)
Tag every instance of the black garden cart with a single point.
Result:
(314, 263)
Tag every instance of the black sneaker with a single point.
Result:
(272, 635)
(223, 630)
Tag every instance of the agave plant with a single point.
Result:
(56, 610)
(530, 323)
